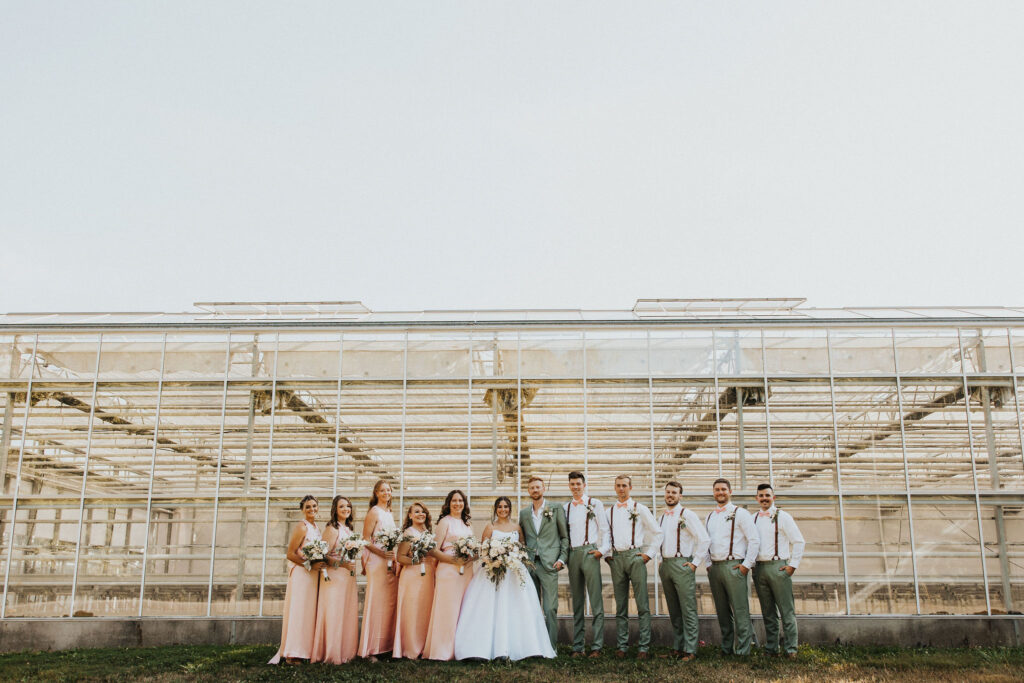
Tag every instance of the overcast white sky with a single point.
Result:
(510, 154)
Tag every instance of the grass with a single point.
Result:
(248, 662)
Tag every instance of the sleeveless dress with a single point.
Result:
(503, 620)
(300, 597)
(449, 586)
(415, 598)
(380, 596)
(337, 613)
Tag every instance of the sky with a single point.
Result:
(468, 154)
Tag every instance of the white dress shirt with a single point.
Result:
(648, 533)
(538, 516)
(693, 538)
(745, 542)
(791, 541)
(594, 531)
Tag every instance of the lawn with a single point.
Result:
(248, 662)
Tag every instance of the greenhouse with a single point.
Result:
(151, 463)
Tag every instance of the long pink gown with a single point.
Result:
(381, 596)
(449, 587)
(337, 613)
(415, 598)
(300, 598)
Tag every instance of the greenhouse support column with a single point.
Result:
(243, 523)
(718, 402)
(6, 427)
(519, 420)
(653, 574)
(270, 460)
(974, 470)
(337, 416)
(469, 424)
(740, 444)
(906, 472)
(405, 401)
(767, 411)
(838, 474)
(220, 463)
(85, 478)
(152, 473)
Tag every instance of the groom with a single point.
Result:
(547, 544)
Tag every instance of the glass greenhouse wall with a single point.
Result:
(151, 464)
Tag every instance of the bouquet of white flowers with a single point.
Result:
(466, 548)
(419, 546)
(315, 551)
(498, 556)
(351, 549)
(388, 540)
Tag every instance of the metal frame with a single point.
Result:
(152, 474)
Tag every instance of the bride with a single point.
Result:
(503, 620)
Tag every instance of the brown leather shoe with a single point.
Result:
(790, 655)
(576, 654)
(594, 654)
(641, 655)
(620, 654)
(670, 655)
(688, 657)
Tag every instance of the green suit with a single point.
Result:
(545, 548)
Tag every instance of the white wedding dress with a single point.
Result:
(503, 620)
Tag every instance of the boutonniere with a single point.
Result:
(775, 516)
(682, 522)
(591, 512)
(633, 514)
(731, 516)
(548, 512)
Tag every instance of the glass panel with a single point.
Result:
(870, 447)
(246, 439)
(997, 452)
(304, 433)
(879, 562)
(439, 355)
(862, 352)
(495, 355)
(373, 356)
(110, 563)
(238, 557)
(684, 435)
(371, 448)
(252, 356)
(616, 354)
(1004, 555)
(927, 352)
(803, 453)
(1017, 339)
(795, 352)
(189, 439)
(744, 435)
(935, 427)
(194, 356)
(738, 352)
(132, 356)
(309, 355)
(435, 440)
(552, 355)
(44, 555)
(818, 586)
(619, 436)
(122, 439)
(65, 357)
(682, 353)
(10, 357)
(986, 350)
(178, 560)
(948, 563)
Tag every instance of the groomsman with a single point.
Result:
(685, 540)
(782, 547)
(547, 543)
(588, 543)
(733, 552)
(635, 537)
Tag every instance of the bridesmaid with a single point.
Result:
(301, 594)
(449, 585)
(381, 593)
(337, 609)
(415, 590)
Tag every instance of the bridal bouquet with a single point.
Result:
(419, 546)
(351, 549)
(315, 551)
(498, 556)
(466, 548)
(388, 540)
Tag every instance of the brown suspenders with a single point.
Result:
(732, 534)
(776, 555)
(678, 554)
(611, 527)
(586, 524)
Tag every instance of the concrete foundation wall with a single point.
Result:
(60, 634)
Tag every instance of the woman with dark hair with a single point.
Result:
(337, 610)
(381, 594)
(415, 590)
(449, 585)
(300, 595)
(502, 620)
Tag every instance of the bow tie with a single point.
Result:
(763, 513)
(621, 505)
(721, 509)
(670, 512)
(577, 502)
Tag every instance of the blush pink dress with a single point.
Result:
(381, 595)
(300, 597)
(415, 598)
(449, 587)
(337, 613)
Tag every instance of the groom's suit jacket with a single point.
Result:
(552, 543)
